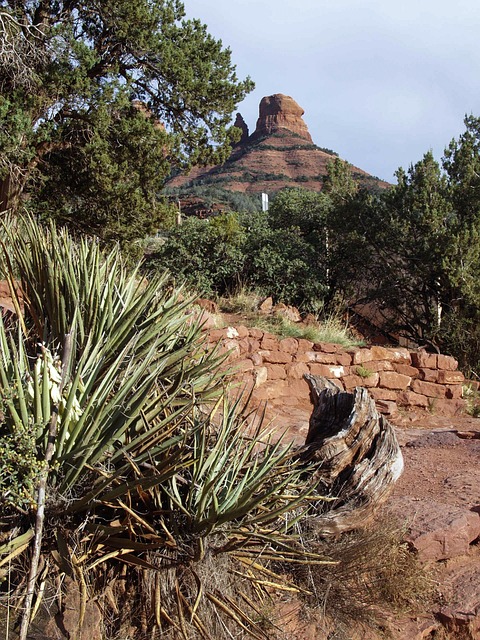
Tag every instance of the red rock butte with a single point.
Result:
(280, 112)
(280, 153)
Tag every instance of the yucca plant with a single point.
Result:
(105, 384)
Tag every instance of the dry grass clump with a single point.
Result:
(331, 328)
(244, 301)
(373, 573)
(472, 397)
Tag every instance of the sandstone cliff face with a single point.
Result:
(280, 112)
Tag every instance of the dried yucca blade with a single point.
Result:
(15, 546)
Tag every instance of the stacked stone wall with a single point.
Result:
(395, 377)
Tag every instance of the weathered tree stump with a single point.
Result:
(356, 455)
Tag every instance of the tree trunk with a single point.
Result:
(356, 454)
(11, 190)
(5, 187)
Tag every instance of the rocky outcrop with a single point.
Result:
(280, 112)
(242, 125)
(279, 154)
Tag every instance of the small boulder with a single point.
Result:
(265, 307)
(288, 312)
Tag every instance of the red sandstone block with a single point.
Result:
(406, 369)
(450, 377)
(454, 391)
(327, 371)
(361, 356)
(343, 358)
(393, 380)
(242, 331)
(302, 356)
(383, 394)
(322, 358)
(275, 357)
(446, 362)
(296, 370)
(424, 360)
(276, 372)
(243, 365)
(399, 355)
(216, 334)
(325, 347)
(380, 353)
(253, 345)
(353, 381)
(288, 345)
(379, 365)
(304, 345)
(429, 375)
(298, 389)
(269, 342)
(232, 347)
(412, 399)
(256, 358)
(444, 407)
(256, 333)
(271, 389)
(244, 345)
(260, 395)
(429, 389)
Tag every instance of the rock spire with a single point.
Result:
(242, 125)
(280, 112)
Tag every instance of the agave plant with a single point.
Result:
(104, 390)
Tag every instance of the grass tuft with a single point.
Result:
(330, 330)
(472, 397)
(363, 372)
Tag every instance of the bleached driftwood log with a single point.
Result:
(357, 453)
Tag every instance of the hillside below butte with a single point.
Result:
(279, 153)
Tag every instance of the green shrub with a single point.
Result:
(363, 372)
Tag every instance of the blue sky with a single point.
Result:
(381, 82)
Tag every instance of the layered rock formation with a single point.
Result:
(280, 112)
(280, 153)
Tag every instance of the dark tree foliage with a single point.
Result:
(98, 100)
(280, 254)
(414, 250)
(207, 254)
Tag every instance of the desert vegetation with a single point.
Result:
(128, 471)
(131, 476)
(125, 448)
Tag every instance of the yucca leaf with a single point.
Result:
(15, 546)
